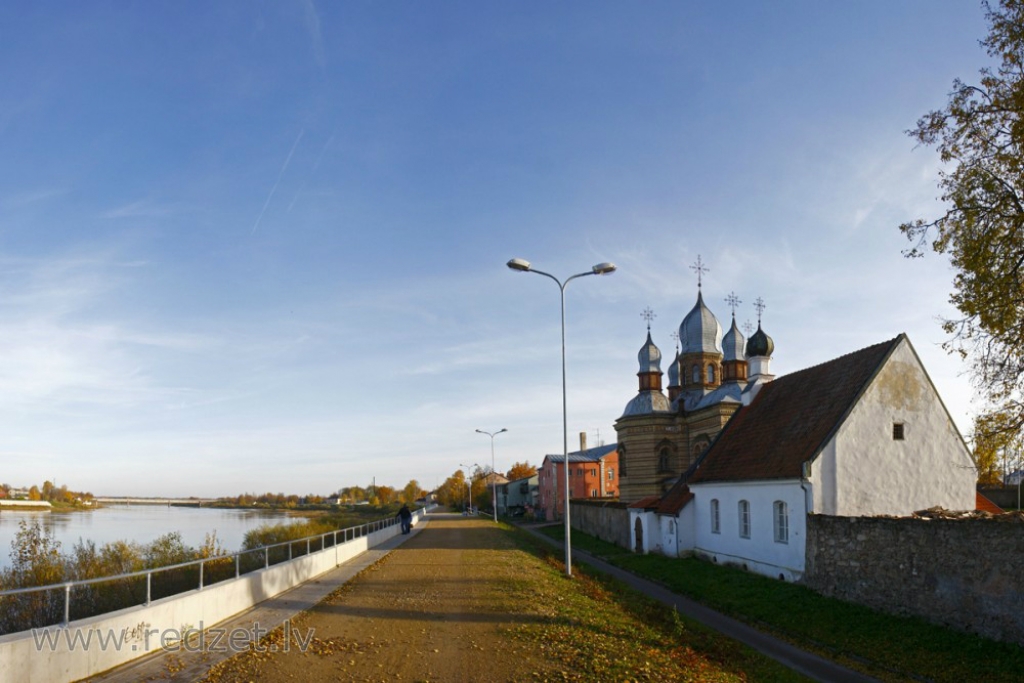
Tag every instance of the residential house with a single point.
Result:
(593, 473)
(518, 497)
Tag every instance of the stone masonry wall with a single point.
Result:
(607, 520)
(961, 573)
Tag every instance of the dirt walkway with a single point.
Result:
(436, 609)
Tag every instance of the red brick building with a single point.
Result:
(593, 473)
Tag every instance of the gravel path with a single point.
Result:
(435, 609)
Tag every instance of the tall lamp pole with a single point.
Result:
(469, 485)
(600, 269)
(494, 480)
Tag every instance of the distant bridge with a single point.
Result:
(124, 500)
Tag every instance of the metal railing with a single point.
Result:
(27, 603)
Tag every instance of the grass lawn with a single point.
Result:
(889, 647)
(603, 630)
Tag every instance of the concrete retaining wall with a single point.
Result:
(964, 574)
(76, 651)
(607, 520)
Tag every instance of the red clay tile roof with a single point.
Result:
(791, 419)
(984, 504)
(675, 500)
(648, 502)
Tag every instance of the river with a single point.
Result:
(140, 523)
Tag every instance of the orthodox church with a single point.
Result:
(660, 437)
(729, 464)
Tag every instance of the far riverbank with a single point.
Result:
(139, 524)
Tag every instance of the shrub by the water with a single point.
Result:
(37, 560)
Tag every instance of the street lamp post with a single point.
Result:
(494, 480)
(600, 269)
(469, 485)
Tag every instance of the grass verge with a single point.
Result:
(889, 647)
(605, 631)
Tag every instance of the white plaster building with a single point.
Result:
(864, 434)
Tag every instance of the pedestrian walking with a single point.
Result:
(405, 515)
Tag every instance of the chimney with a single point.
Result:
(583, 441)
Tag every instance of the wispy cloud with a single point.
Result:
(316, 165)
(142, 208)
(280, 174)
(19, 200)
(315, 35)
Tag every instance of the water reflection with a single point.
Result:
(140, 523)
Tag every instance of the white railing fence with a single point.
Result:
(22, 609)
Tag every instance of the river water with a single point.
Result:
(140, 523)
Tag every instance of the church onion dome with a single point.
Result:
(760, 344)
(649, 356)
(647, 402)
(700, 331)
(733, 343)
(673, 372)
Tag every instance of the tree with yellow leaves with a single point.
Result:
(980, 139)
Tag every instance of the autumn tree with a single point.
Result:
(979, 136)
(452, 492)
(411, 492)
(521, 470)
(988, 454)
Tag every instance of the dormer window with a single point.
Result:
(897, 431)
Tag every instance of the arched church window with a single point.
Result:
(696, 374)
(664, 460)
(780, 521)
(622, 460)
(711, 373)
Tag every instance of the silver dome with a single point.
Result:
(733, 343)
(649, 356)
(647, 402)
(700, 331)
(673, 372)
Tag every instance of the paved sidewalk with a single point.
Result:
(183, 666)
(191, 666)
(801, 661)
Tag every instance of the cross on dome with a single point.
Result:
(700, 269)
(648, 315)
(759, 305)
(675, 335)
(733, 302)
(748, 328)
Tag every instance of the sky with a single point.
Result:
(261, 246)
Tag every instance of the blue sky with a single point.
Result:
(261, 246)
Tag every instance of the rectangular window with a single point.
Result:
(716, 525)
(611, 474)
(744, 510)
(781, 518)
(593, 493)
(897, 431)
